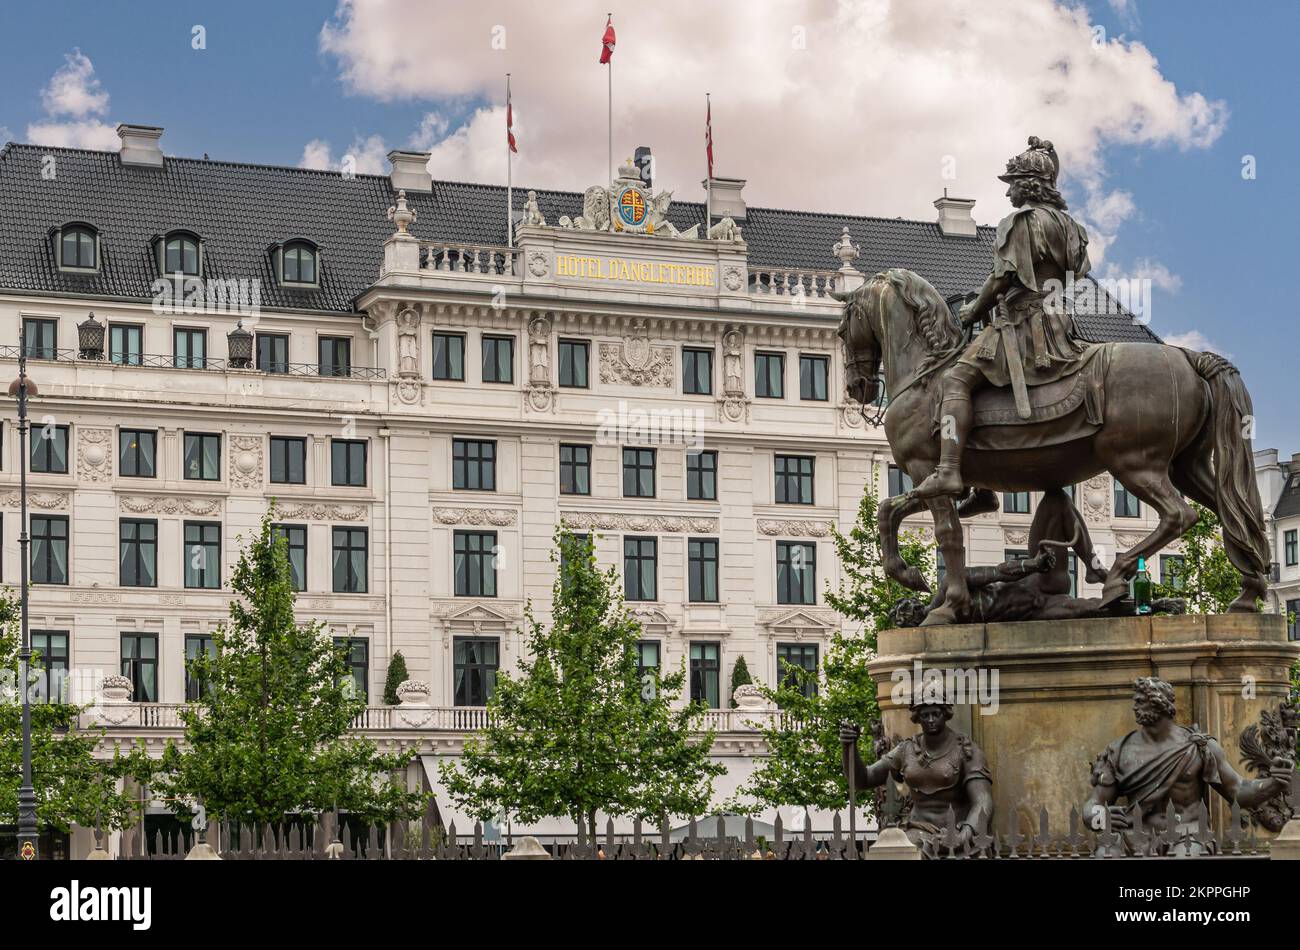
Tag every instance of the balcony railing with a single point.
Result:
(792, 282)
(468, 259)
(210, 364)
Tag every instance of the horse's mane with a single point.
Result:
(930, 314)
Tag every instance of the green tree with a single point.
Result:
(269, 736)
(1206, 578)
(396, 676)
(72, 786)
(805, 764)
(576, 730)
(740, 675)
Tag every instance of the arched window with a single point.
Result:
(181, 254)
(299, 263)
(78, 248)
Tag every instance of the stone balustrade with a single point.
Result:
(468, 259)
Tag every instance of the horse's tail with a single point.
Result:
(1240, 511)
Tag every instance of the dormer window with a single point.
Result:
(181, 253)
(297, 263)
(77, 247)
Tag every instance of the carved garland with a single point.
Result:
(319, 511)
(36, 499)
(801, 529)
(496, 516)
(169, 505)
(657, 523)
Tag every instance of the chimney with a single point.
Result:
(140, 145)
(955, 217)
(727, 201)
(410, 171)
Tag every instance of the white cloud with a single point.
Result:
(1194, 340)
(433, 127)
(74, 89)
(1159, 275)
(71, 99)
(839, 107)
(367, 156)
(1127, 12)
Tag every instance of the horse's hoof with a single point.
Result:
(1095, 576)
(1116, 589)
(914, 579)
(938, 616)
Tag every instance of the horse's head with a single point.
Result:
(861, 347)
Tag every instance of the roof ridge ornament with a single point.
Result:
(401, 214)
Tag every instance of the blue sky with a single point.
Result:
(263, 88)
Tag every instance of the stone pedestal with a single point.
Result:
(1058, 692)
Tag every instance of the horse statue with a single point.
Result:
(1164, 421)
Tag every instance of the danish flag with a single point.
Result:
(607, 42)
(510, 122)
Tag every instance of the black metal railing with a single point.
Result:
(212, 364)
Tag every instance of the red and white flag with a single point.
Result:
(607, 42)
(510, 121)
(708, 135)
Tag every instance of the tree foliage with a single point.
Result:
(740, 675)
(805, 765)
(576, 730)
(72, 786)
(396, 676)
(1206, 579)
(268, 738)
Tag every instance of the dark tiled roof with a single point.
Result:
(1289, 503)
(241, 210)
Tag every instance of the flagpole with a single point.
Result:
(510, 197)
(708, 176)
(610, 64)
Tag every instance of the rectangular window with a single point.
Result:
(475, 564)
(189, 348)
(475, 661)
(50, 666)
(702, 563)
(647, 667)
(573, 363)
(791, 657)
(449, 357)
(273, 352)
(203, 555)
(704, 674)
(288, 460)
(1126, 504)
(348, 462)
(336, 356)
(813, 373)
(49, 450)
(702, 476)
(900, 483)
(49, 549)
(575, 469)
(40, 338)
(196, 645)
(356, 654)
(1293, 619)
(794, 479)
(498, 359)
(125, 344)
(640, 568)
(350, 550)
(1015, 502)
(1289, 547)
(769, 375)
(137, 453)
(473, 465)
(137, 546)
(796, 572)
(1072, 567)
(295, 537)
(202, 456)
(140, 665)
(697, 371)
(638, 473)
(1171, 570)
(1015, 554)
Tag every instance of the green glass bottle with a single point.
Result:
(1142, 589)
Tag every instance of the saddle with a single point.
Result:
(996, 422)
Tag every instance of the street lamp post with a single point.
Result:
(28, 846)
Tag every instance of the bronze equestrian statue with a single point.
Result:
(1164, 421)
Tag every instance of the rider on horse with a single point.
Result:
(1031, 338)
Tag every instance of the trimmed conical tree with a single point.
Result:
(396, 676)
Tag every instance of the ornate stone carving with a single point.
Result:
(322, 511)
(95, 597)
(537, 263)
(1095, 497)
(539, 350)
(1016, 535)
(46, 500)
(246, 455)
(733, 409)
(94, 454)
(1129, 539)
(408, 344)
(169, 505)
(800, 529)
(636, 362)
(851, 414)
(409, 391)
(172, 600)
(733, 278)
(495, 516)
(666, 524)
(532, 213)
(539, 398)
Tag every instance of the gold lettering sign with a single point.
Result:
(641, 272)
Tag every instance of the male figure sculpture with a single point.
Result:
(942, 768)
(1031, 338)
(1162, 763)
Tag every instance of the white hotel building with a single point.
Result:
(417, 401)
